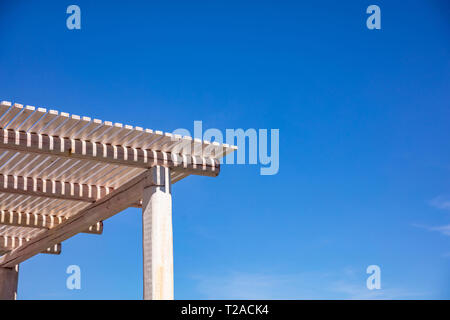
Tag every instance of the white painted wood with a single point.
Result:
(105, 168)
(157, 236)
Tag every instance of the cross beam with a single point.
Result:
(11, 243)
(52, 188)
(41, 221)
(122, 155)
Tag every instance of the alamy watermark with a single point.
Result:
(74, 280)
(374, 280)
(74, 20)
(374, 20)
(254, 146)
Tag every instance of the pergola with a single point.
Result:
(63, 174)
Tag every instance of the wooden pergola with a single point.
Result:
(63, 174)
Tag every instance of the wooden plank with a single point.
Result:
(87, 150)
(4, 106)
(132, 136)
(84, 134)
(120, 199)
(31, 220)
(24, 114)
(79, 123)
(32, 119)
(43, 121)
(58, 121)
(10, 114)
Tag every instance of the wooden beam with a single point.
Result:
(52, 188)
(32, 220)
(10, 243)
(8, 283)
(118, 200)
(122, 155)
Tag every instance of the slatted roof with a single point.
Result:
(54, 164)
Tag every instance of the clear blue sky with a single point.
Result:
(364, 118)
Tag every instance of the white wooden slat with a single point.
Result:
(15, 201)
(176, 144)
(6, 156)
(27, 168)
(91, 168)
(64, 169)
(119, 176)
(76, 173)
(38, 204)
(21, 202)
(102, 172)
(4, 106)
(10, 114)
(39, 167)
(107, 175)
(175, 139)
(17, 160)
(12, 231)
(64, 129)
(20, 118)
(32, 168)
(111, 135)
(81, 123)
(33, 203)
(130, 139)
(72, 172)
(5, 163)
(96, 136)
(52, 168)
(43, 122)
(151, 138)
(85, 132)
(55, 123)
(32, 119)
(9, 201)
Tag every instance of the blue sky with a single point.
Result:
(364, 121)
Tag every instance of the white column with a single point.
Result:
(8, 283)
(157, 236)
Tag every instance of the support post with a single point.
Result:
(8, 283)
(157, 236)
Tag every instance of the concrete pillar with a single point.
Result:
(157, 236)
(9, 278)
